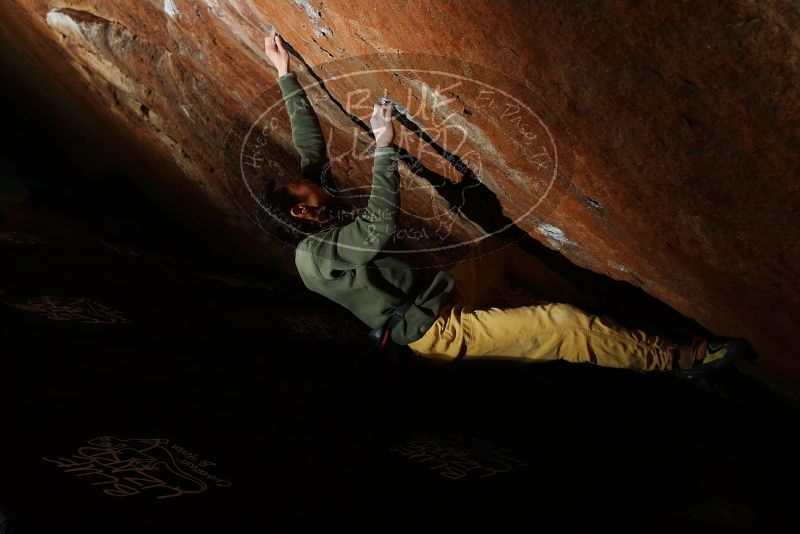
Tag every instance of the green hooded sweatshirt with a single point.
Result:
(346, 263)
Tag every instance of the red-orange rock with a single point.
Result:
(664, 138)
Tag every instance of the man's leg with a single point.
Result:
(542, 333)
(532, 333)
(560, 331)
(545, 332)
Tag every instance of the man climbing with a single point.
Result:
(444, 314)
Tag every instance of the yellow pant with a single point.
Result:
(469, 327)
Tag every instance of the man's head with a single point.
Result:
(307, 200)
(293, 210)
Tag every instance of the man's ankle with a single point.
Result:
(686, 357)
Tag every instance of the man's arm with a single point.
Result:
(345, 247)
(306, 132)
(342, 248)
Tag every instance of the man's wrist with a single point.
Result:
(281, 74)
(386, 149)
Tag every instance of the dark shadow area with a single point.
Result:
(265, 394)
(71, 198)
(148, 386)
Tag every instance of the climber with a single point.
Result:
(443, 314)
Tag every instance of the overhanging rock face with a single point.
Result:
(657, 145)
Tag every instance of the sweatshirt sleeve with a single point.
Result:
(342, 248)
(306, 132)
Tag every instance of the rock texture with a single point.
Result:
(657, 144)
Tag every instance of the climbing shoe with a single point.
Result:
(707, 355)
